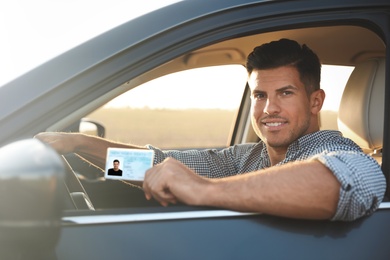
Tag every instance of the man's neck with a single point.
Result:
(276, 155)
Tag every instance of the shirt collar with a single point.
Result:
(308, 139)
(300, 143)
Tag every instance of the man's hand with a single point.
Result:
(63, 143)
(172, 181)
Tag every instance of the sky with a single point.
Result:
(32, 32)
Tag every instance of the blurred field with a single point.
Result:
(166, 128)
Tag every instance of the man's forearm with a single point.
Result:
(298, 190)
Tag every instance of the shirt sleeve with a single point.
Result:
(210, 163)
(362, 183)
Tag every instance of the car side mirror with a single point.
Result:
(31, 202)
(86, 126)
(90, 127)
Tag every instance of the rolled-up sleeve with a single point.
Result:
(362, 183)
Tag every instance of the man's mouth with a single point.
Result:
(273, 124)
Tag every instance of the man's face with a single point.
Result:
(116, 165)
(281, 110)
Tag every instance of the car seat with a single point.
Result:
(361, 111)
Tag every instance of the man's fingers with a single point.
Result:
(171, 181)
(155, 187)
(148, 196)
(162, 196)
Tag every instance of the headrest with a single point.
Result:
(361, 110)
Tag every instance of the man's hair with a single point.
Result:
(287, 52)
(116, 161)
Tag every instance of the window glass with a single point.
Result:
(189, 109)
(333, 81)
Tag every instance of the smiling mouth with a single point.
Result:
(273, 124)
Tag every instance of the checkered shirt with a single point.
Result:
(361, 178)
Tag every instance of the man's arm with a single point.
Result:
(305, 189)
(91, 148)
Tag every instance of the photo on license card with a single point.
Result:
(128, 164)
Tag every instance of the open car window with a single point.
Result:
(195, 106)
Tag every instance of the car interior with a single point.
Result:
(360, 115)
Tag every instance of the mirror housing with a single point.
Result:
(31, 202)
(87, 126)
(91, 127)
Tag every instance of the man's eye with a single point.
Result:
(259, 96)
(287, 93)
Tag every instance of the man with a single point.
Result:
(115, 171)
(295, 171)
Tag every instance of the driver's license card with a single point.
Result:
(128, 164)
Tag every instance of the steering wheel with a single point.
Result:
(78, 198)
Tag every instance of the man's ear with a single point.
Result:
(317, 100)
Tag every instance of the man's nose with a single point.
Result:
(271, 106)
